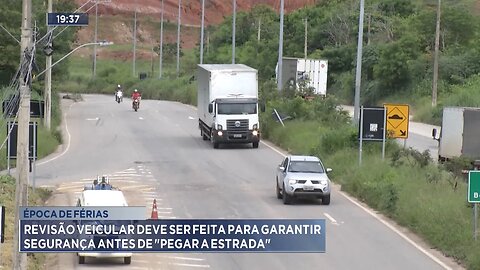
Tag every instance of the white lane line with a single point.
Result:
(428, 254)
(334, 221)
(166, 217)
(191, 118)
(431, 256)
(186, 258)
(191, 265)
(273, 148)
(68, 136)
(92, 119)
(164, 208)
(141, 118)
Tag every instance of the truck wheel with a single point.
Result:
(127, 260)
(287, 199)
(255, 145)
(81, 260)
(326, 200)
(279, 195)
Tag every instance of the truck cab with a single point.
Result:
(228, 105)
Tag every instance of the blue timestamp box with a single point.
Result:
(67, 19)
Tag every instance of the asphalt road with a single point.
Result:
(199, 182)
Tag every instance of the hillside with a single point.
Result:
(116, 22)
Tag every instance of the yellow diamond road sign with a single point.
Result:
(397, 120)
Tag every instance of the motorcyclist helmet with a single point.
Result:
(135, 90)
(119, 86)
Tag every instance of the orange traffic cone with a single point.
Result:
(154, 210)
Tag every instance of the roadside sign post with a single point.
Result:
(474, 196)
(384, 132)
(34, 155)
(2, 226)
(372, 128)
(361, 137)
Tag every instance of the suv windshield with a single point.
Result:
(237, 108)
(306, 167)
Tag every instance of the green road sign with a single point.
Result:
(474, 186)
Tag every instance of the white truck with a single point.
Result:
(313, 71)
(459, 134)
(228, 104)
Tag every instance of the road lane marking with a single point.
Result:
(186, 258)
(141, 118)
(191, 118)
(68, 136)
(406, 238)
(334, 221)
(92, 119)
(191, 265)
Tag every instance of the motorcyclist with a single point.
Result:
(136, 95)
(117, 94)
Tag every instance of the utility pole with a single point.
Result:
(435, 60)
(95, 41)
(178, 37)
(160, 60)
(280, 49)
(201, 32)
(306, 34)
(48, 80)
(21, 188)
(358, 75)
(259, 27)
(233, 30)
(135, 42)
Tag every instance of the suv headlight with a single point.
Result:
(324, 182)
(292, 182)
(219, 127)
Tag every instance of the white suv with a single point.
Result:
(302, 176)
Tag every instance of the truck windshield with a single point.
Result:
(237, 108)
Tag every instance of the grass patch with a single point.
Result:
(7, 198)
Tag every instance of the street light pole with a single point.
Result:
(95, 40)
(135, 43)
(435, 60)
(358, 75)
(21, 188)
(178, 36)
(160, 60)
(280, 49)
(72, 51)
(201, 32)
(48, 81)
(233, 29)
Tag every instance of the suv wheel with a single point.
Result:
(286, 198)
(326, 200)
(279, 195)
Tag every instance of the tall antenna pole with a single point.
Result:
(94, 72)
(135, 43)
(358, 75)
(161, 46)
(201, 32)
(178, 36)
(435, 60)
(280, 49)
(233, 30)
(306, 37)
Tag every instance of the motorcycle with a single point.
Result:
(136, 104)
(119, 96)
